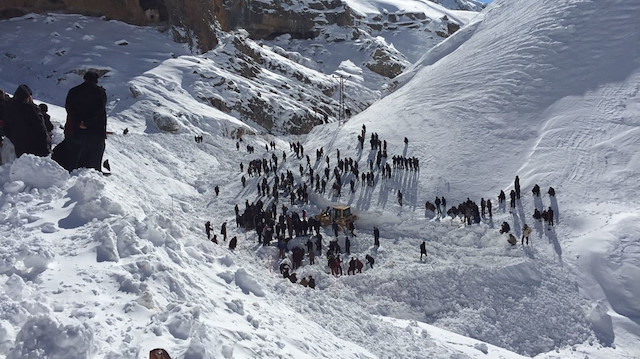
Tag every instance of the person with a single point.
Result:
(44, 110)
(536, 190)
(233, 243)
(512, 194)
(24, 125)
(551, 192)
(505, 228)
(217, 190)
(223, 231)
(86, 127)
(526, 232)
(312, 282)
(159, 354)
(352, 266)
(444, 204)
(304, 282)
(359, 265)
(319, 243)
(370, 260)
(550, 216)
(400, 198)
(537, 215)
(376, 237)
(347, 245)
(215, 239)
(517, 187)
(293, 278)
(208, 228)
(423, 249)
(335, 227)
(512, 239)
(438, 202)
(351, 227)
(501, 197)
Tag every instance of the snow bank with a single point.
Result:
(247, 283)
(43, 337)
(38, 172)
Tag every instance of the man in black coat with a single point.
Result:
(24, 125)
(423, 249)
(86, 127)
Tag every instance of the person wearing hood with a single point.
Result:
(86, 127)
(24, 125)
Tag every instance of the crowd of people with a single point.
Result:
(28, 126)
(273, 221)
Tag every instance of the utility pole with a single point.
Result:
(341, 108)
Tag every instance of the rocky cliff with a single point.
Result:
(190, 21)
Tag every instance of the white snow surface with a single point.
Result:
(111, 267)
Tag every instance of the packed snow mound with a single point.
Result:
(38, 172)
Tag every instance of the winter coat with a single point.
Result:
(87, 103)
(24, 126)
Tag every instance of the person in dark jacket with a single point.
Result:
(312, 283)
(505, 228)
(86, 127)
(370, 260)
(376, 237)
(24, 125)
(423, 249)
(233, 243)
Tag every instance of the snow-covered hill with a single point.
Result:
(111, 267)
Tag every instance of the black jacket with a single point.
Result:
(24, 126)
(87, 103)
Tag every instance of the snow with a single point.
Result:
(112, 267)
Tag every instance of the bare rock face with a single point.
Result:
(266, 20)
(193, 17)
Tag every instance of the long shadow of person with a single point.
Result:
(538, 226)
(537, 203)
(553, 239)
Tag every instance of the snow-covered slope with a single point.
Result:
(547, 90)
(110, 267)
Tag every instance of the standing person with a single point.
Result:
(400, 198)
(517, 186)
(423, 249)
(223, 231)
(550, 216)
(512, 194)
(489, 208)
(207, 228)
(86, 127)
(352, 228)
(438, 202)
(319, 243)
(376, 237)
(526, 232)
(24, 125)
(444, 205)
(347, 245)
(233, 243)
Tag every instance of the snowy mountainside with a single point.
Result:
(543, 90)
(279, 86)
(111, 267)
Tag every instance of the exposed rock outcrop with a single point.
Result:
(191, 21)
